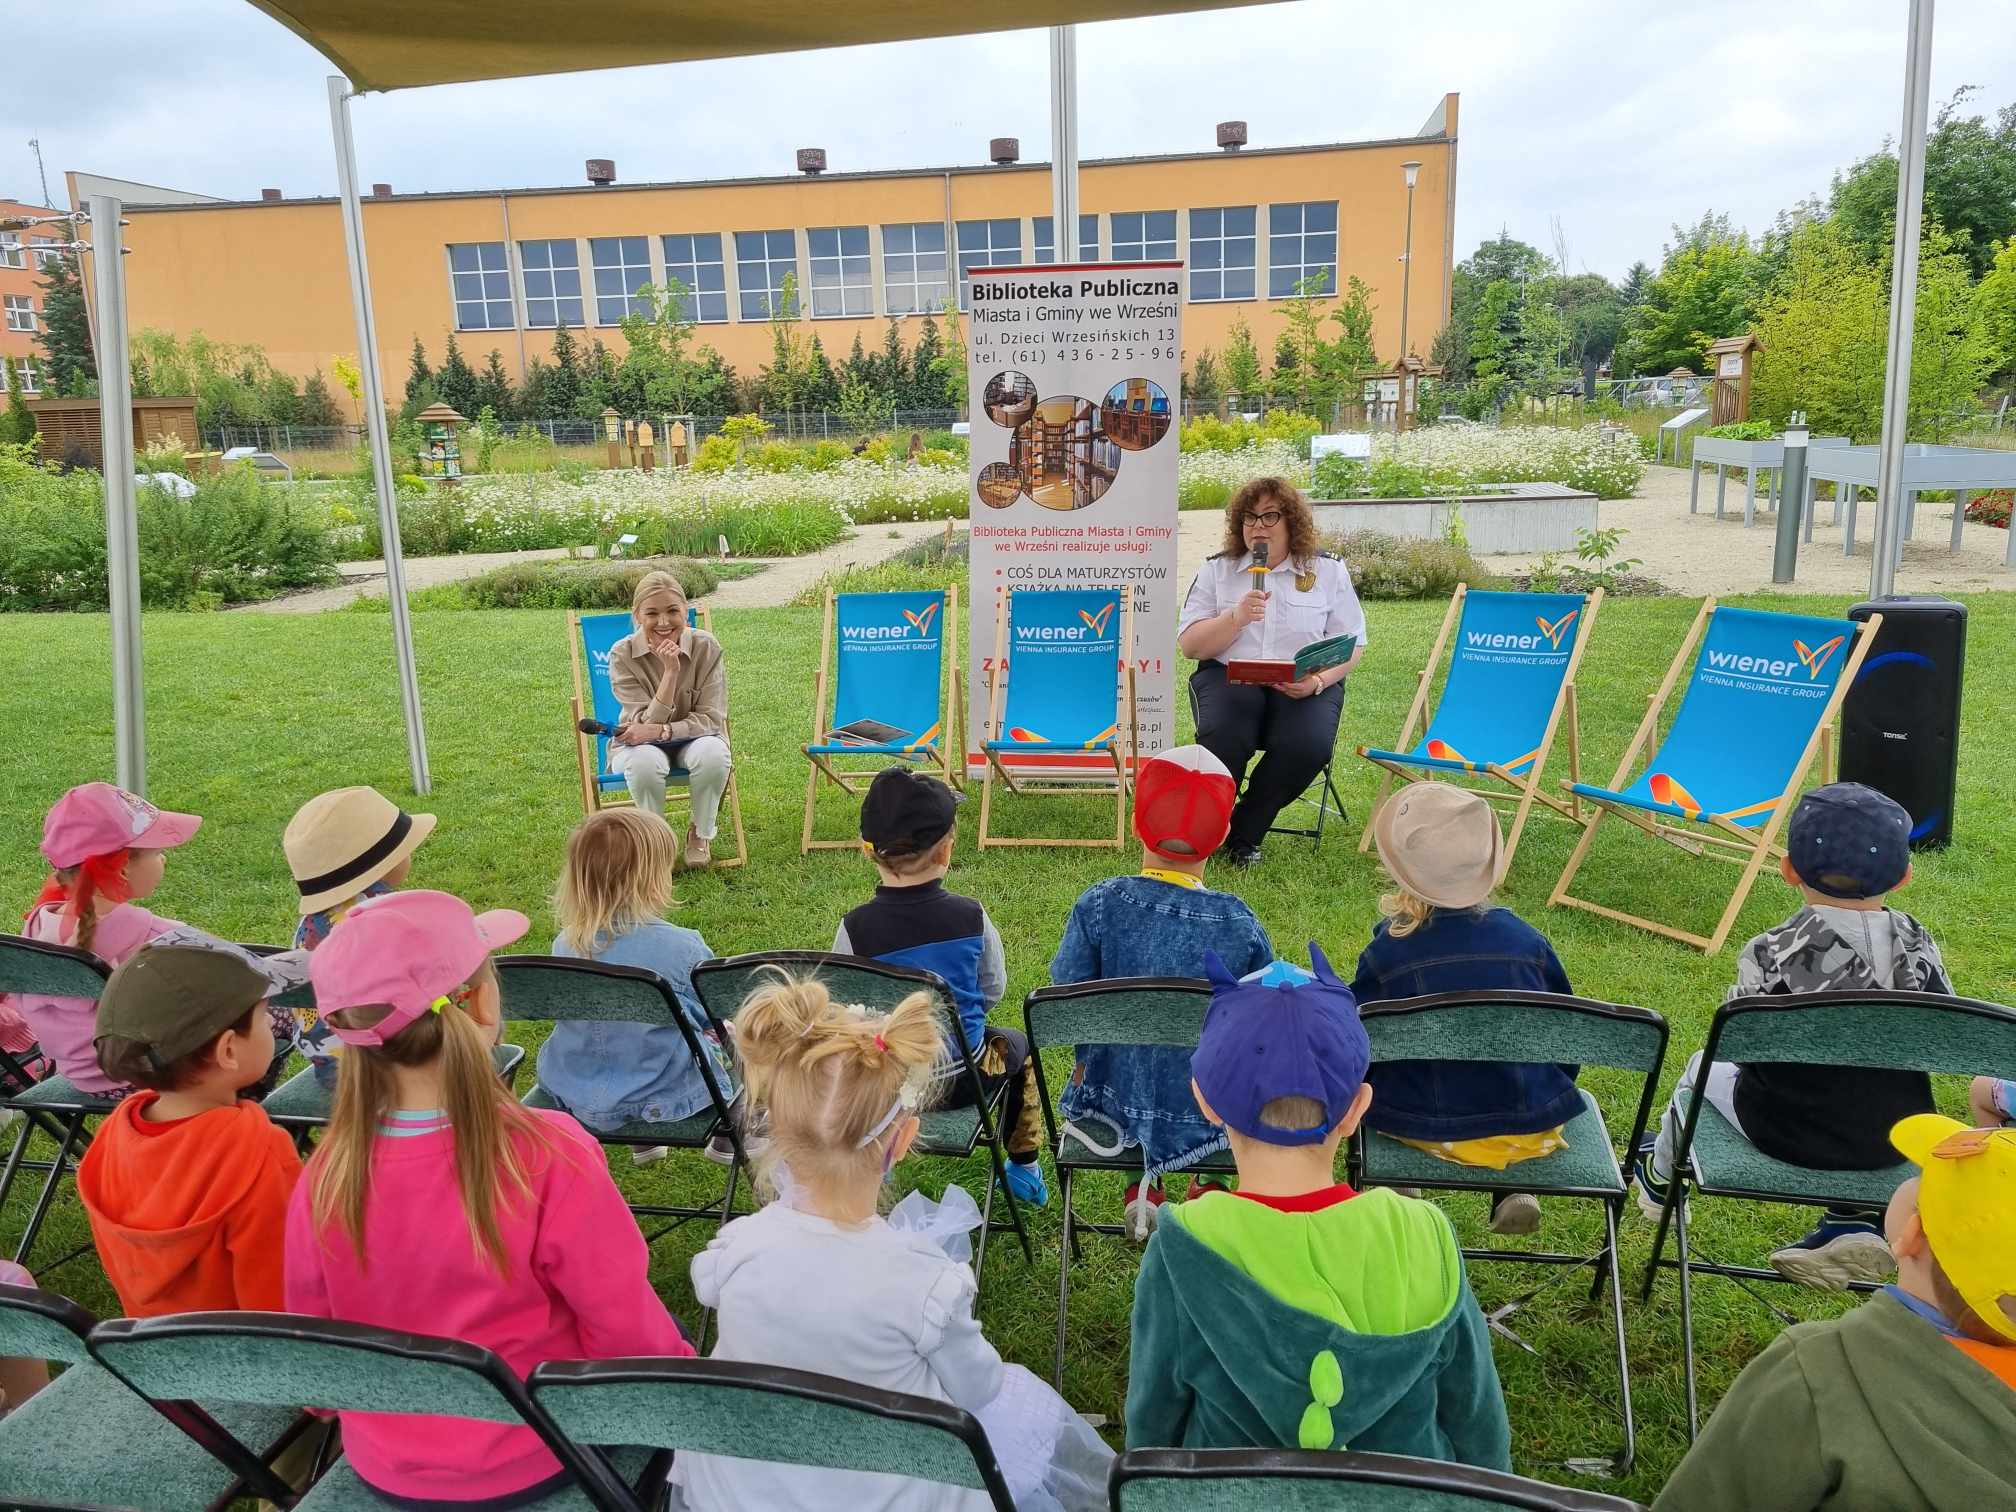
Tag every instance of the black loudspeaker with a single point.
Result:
(1900, 722)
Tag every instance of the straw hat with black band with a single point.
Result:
(1440, 842)
(339, 843)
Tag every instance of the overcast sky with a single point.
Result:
(1616, 120)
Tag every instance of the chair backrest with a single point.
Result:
(1761, 685)
(1900, 1031)
(1517, 1026)
(1512, 656)
(889, 664)
(1063, 665)
(599, 635)
(1167, 1011)
(748, 1411)
(29, 966)
(40, 1325)
(1282, 1480)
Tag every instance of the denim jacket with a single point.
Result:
(1464, 950)
(1139, 926)
(611, 1074)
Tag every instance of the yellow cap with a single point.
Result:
(1967, 1203)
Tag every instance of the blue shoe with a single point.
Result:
(1026, 1182)
(1652, 1192)
(1838, 1251)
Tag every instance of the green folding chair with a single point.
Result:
(1899, 1031)
(87, 1440)
(264, 1360)
(1529, 1026)
(742, 1410)
(1140, 1012)
(55, 1106)
(1295, 1480)
(723, 984)
(557, 989)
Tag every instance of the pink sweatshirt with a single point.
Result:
(575, 1287)
(66, 1026)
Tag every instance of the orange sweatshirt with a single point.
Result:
(190, 1215)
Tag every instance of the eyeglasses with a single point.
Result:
(1266, 520)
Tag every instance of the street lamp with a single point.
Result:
(1412, 172)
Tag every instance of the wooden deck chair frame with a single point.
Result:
(1726, 841)
(1524, 791)
(1074, 1014)
(951, 766)
(594, 797)
(583, 1397)
(1993, 1055)
(1124, 755)
(721, 983)
(127, 1348)
(1531, 1026)
(659, 1006)
(1321, 1479)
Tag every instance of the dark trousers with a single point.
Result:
(1296, 736)
(1004, 1058)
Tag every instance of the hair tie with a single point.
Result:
(881, 1043)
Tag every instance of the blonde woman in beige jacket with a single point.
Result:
(668, 677)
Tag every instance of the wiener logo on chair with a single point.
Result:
(1817, 657)
(1097, 622)
(914, 623)
(922, 621)
(1557, 628)
(1093, 627)
(1812, 660)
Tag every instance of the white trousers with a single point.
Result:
(645, 768)
(1721, 1096)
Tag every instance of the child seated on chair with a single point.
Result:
(1992, 1102)
(436, 1203)
(820, 1280)
(611, 905)
(908, 826)
(186, 1185)
(342, 847)
(1909, 1400)
(1847, 849)
(1441, 845)
(1296, 1313)
(1159, 922)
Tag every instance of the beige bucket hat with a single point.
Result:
(339, 843)
(1440, 842)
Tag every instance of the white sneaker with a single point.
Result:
(649, 1155)
(1516, 1213)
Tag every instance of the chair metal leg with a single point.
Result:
(1067, 1250)
(986, 1222)
(14, 1156)
(73, 1126)
(1687, 1321)
(1607, 1269)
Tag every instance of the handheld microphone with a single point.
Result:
(1259, 567)
(596, 727)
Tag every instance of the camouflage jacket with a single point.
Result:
(1804, 954)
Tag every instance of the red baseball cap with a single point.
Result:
(406, 951)
(1183, 803)
(99, 819)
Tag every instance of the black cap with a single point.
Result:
(1849, 841)
(905, 811)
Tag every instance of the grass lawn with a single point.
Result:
(251, 714)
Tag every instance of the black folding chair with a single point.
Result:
(1295, 1480)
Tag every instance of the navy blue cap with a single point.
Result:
(1281, 1032)
(1849, 841)
(905, 811)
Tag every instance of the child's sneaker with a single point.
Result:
(1143, 1209)
(1838, 1251)
(1652, 1191)
(1515, 1213)
(1199, 1185)
(1025, 1180)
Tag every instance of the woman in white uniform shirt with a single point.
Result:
(1232, 613)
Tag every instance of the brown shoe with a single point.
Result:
(698, 852)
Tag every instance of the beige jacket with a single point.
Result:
(699, 705)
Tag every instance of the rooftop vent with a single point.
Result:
(1004, 150)
(1231, 135)
(601, 172)
(271, 194)
(381, 191)
(811, 159)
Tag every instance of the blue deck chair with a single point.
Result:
(1762, 701)
(1299, 1480)
(1060, 702)
(1511, 684)
(893, 692)
(590, 639)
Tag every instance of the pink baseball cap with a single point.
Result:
(407, 951)
(99, 819)
(1183, 803)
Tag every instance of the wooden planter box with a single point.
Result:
(70, 427)
(1513, 518)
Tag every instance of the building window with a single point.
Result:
(913, 268)
(28, 376)
(11, 255)
(1301, 243)
(986, 244)
(622, 267)
(1144, 236)
(482, 286)
(552, 271)
(763, 260)
(1046, 239)
(48, 254)
(1221, 253)
(695, 260)
(20, 312)
(841, 284)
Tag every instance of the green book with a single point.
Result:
(1317, 656)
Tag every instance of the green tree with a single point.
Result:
(862, 409)
(1970, 185)
(1503, 258)
(493, 388)
(950, 363)
(785, 380)
(1301, 376)
(68, 366)
(927, 376)
(563, 383)
(17, 424)
(892, 367)
(455, 380)
(656, 366)
(1491, 339)
(318, 405)
(1703, 291)
(822, 384)
(420, 390)
(1996, 297)
(1286, 379)
(1204, 385)
(1349, 358)
(1242, 361)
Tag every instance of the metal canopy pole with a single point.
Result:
(375, 428)
(1064, 141)
(1888, 544)
(122, 526)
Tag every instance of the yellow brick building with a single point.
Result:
(504, 268)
